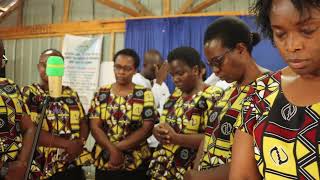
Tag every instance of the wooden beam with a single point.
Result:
(145, 11)
(166, 7)
(66, 10)
(91, 27)
(120, 7)
(52, 30)
(112, 44)
(9, 11)
(20, 13)
(202, 5)
(185, 6)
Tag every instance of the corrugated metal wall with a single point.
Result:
(24, 53)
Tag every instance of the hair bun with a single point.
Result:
(255, 38)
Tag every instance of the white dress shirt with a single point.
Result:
(215, 80)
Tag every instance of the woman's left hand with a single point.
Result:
(171, 136)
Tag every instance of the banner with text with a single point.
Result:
(82, 57)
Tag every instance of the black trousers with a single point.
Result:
(75, 173)
(121, 175)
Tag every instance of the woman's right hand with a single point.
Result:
(116, 160)
(160, 133)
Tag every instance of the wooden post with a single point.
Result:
(112, 44)
(66, 10)
(20, 13)
(166, 7)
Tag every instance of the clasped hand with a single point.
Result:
(165, 134)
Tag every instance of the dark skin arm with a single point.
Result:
(218, 173)
(243, 156)
(161, 72)
(73, 147)
(136, 137)
(28, 130)
(84, 123)
(199, 155)
(84, 128)
(116, 156)
(17, 168)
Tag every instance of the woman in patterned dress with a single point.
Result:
(228, 46)
(16, 129)
(184, 116)
(280, 138)
(122, 116)
(64, 130)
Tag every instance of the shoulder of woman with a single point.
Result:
(6, 81)
(213, 91)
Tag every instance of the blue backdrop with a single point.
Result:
(169, 33)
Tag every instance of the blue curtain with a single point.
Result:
(169, 33)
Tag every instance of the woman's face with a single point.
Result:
(297, 36)
(124, 69)
(225, 63)
(42, 65)
(184, 77)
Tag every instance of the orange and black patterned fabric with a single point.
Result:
(121, 116)
(186, 115)
(62, 118)
(286, 137)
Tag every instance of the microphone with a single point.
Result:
(55, 71)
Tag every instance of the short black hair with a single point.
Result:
(231, 31)
(128, 52)
(187, 55)
(262, 8)
(156, 52)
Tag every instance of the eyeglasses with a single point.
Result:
(4, 60)
(124, 68)
(217, 61)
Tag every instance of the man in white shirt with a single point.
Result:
(154, 73)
